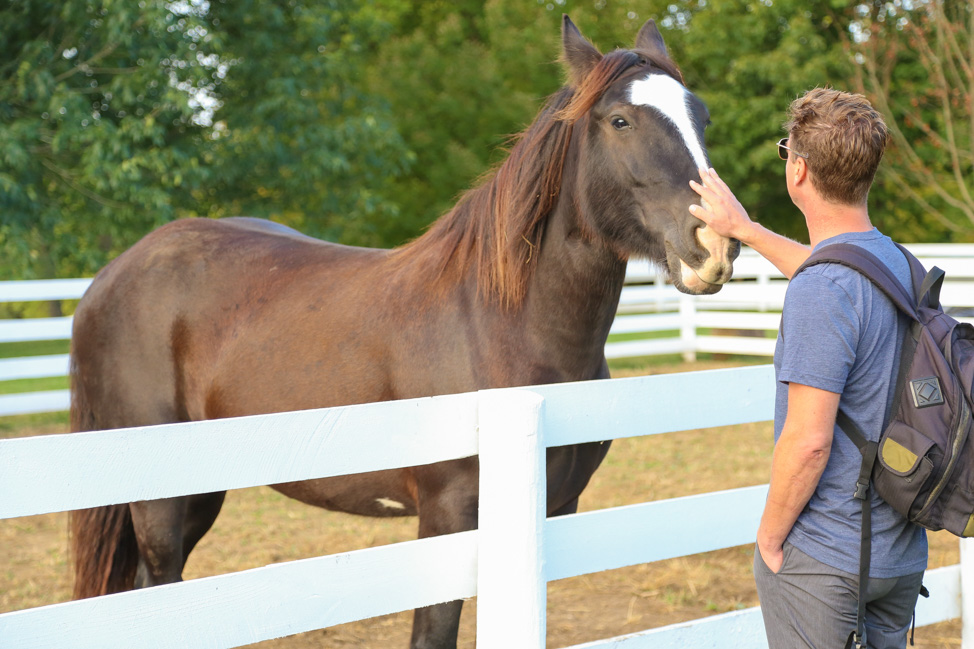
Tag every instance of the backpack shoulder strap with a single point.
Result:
(865, 263)
(926, 285)
(869, 451)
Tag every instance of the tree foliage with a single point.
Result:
(363, 122)
(118, 117)
(96, 140)
(767, 54)
(916, 62)
(299, 138)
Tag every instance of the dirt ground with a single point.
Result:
(259, 526)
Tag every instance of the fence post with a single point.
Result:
(967, 593)
(511, 585)
(688, 327)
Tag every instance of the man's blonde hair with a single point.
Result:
(842, 138)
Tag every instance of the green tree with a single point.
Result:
(95, 137)
(299, 138)
(117, 117)
(457, 94)
(915, 63)
(363, 122)
(463, 77)
(748, 61)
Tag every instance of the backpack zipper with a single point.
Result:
(959, 439)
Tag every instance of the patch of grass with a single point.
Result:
(643, 335)
(34, 385)
(35, 424)
(37, 309)
(668, 363)
(643, 364)
(34, 348)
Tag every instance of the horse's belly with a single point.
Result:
(380, 493)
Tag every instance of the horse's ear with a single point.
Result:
(580, 55)
(651, 40)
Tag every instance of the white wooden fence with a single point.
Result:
(741, 319)
(506, 563)
(36, 329)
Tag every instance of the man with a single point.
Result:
(838, 347)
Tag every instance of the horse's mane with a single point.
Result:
(497, 227)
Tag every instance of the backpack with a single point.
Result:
(922, 465)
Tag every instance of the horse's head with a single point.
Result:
(641, 142)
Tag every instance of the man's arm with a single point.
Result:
(723, 212)
(800, 456)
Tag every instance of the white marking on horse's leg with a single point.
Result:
(388, 503)
(669, 97)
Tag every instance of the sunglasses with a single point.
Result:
(783, 150)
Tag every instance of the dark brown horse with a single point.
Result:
(517, 285)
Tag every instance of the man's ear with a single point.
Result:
(799, 170)
(650, 40)
(580, 56)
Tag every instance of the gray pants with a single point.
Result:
(808, 604)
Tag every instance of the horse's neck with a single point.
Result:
(575, 289)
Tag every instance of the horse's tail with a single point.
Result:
(103, 544)
(104, 550)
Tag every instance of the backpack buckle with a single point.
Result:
(855, 641)
(862, 488)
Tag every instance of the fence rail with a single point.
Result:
(506, 563)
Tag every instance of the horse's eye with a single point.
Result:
(618, 123)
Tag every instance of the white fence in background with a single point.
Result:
(36, 329)
(741, 319)
(506, 563)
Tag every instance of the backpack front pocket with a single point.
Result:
(903, 469)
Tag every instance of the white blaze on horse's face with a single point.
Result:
(670, 98)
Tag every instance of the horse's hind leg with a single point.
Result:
(203, 510)
(167, 531)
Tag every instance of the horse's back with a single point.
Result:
(156, 323)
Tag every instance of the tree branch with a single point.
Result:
(930, 209)
(65, 177)
(84, 66)
(937, 58)
(930, 35)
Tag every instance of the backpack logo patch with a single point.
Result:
(926, 392)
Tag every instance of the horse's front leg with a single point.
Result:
(447, 494)
(437, 627)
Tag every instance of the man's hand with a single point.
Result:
(720, 209)
(773, 557)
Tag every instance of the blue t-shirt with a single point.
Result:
(839, 333)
